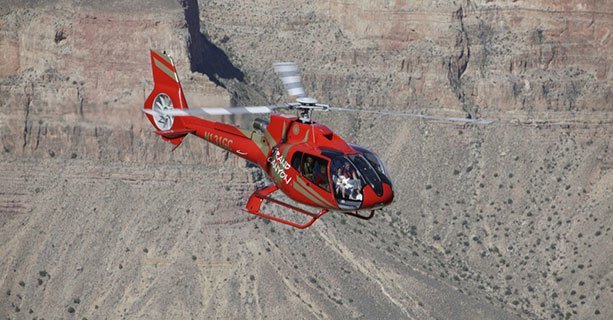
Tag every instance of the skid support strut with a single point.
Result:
(259, 196)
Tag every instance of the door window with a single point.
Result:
(315, 169)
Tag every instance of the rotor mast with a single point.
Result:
(304, 106)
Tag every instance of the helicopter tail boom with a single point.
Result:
(167, 110)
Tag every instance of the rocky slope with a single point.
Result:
(99, 219)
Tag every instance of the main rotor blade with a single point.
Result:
(290, 76)
(414, 115)
(214, 111)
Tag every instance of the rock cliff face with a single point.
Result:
(480, 56)
(99, 219)
(69, 78)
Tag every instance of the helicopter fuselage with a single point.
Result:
(305, 160)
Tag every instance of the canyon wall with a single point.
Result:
(99, 219)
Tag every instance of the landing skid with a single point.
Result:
(259, 196)
(357, 215)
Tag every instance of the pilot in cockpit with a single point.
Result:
(308, 168)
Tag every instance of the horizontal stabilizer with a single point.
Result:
(174, 134)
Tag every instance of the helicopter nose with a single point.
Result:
(372, 200)
(388, 194)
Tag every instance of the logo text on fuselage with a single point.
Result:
(280, 166)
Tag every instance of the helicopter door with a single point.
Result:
(314, 168)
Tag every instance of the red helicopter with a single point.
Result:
(304, 159)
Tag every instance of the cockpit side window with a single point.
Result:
(314, 168)
(347, 182)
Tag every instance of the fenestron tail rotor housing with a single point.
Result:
(162, 106)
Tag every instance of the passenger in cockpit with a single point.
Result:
(353, 182)
(321, 178)
(339, 183)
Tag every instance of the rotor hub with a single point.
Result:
(307, 101)
(305, 105)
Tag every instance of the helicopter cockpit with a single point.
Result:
(347, 175)
(351, 173)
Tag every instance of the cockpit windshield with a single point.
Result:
(377, 164)
(368, 172)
